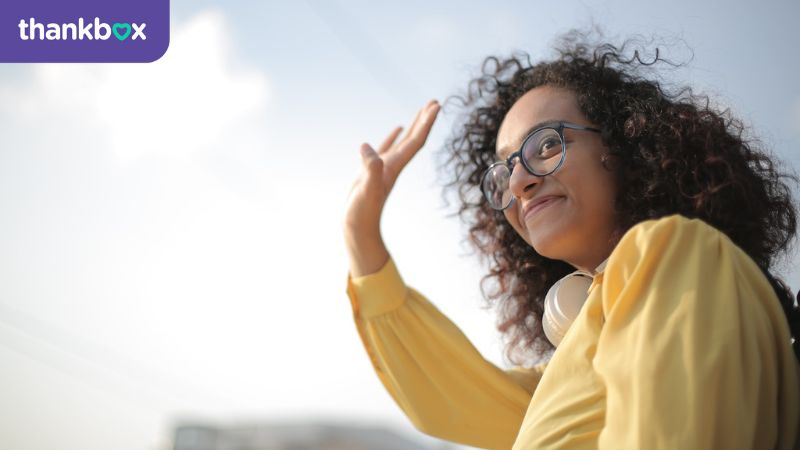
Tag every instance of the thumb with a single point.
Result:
(372, 163)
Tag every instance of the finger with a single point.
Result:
(387, 143)
(427, 124)
(366, 153)
(372, 163)
(411, 126)
(409, 148)
(419, 120)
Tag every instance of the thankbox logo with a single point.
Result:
(31, 30)
(83, 30)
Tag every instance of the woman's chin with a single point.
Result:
(543, 248)
(542, 236)
(548, 243)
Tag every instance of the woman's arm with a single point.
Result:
(442, 383)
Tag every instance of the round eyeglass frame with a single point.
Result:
(559, 128)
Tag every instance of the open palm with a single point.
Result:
(372, 187)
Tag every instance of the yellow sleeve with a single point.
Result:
(429, 367)
(695, 350)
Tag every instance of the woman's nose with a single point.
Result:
(522, 181)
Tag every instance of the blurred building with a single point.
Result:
(291, 437)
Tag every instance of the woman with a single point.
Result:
(682, 337)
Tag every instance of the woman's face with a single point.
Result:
(576, 225)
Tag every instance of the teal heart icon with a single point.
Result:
(121, 26)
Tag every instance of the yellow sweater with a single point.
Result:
(681, 344)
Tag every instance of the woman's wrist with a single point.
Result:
(367, 255)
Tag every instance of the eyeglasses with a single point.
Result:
(542, 152)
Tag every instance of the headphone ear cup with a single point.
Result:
(562, 304)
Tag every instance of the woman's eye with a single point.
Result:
(548, 147)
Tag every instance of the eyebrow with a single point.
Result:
(530, 130)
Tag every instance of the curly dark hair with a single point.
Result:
(673, 151)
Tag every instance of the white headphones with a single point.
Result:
(564, 301)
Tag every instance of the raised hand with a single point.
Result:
(372, 186)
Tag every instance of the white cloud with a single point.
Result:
(182, 104)
(114, 255)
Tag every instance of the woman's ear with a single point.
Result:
(609, 161)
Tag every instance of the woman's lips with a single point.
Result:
(547, 202)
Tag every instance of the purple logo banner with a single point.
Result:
(83, 30)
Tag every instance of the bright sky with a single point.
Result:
(171, 232)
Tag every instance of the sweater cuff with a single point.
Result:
(378, 292)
